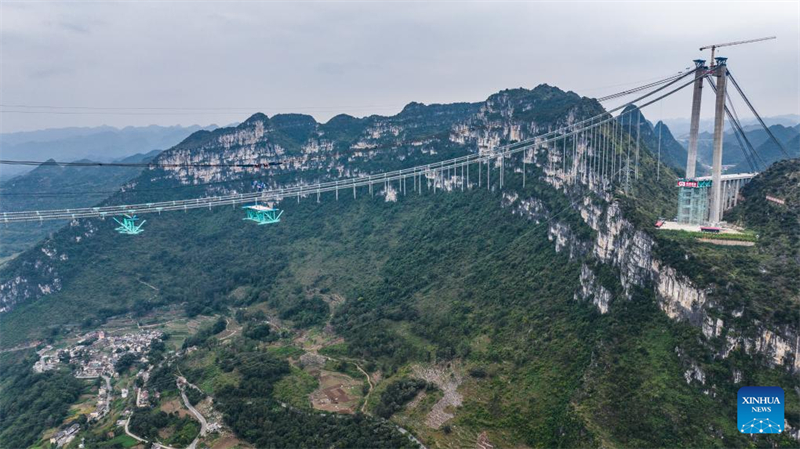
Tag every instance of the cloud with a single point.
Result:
(78, 28)
(346, 67)
(48, 72)
(345, 56)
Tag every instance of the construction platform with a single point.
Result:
(724, 228)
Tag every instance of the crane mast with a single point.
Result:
(714, 47)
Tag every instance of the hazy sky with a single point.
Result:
(223, 61)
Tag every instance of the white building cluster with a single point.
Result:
(96, 353)
(64, 437)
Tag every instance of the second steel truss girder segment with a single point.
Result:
(128, 225)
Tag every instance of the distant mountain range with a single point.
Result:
(659, 138)
(101, 143)
(551, 302)
(732, 154)
(680, 126)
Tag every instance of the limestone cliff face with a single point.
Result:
(593, 291)
(619, 244)
(39, 274)
(308, 152)
(630, 251)
(347, 146)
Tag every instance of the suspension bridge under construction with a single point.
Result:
(601, 152)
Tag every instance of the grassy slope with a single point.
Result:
(458, 271)
(455, 277)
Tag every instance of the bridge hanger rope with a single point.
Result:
(274, 195)
(279, 194)
(299, 190)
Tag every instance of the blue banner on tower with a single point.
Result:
(760, 410)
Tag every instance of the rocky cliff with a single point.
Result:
(308, 151)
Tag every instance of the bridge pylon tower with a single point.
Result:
(693, 195)
(721, 72)
(694, 126)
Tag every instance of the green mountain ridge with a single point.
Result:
(766, 148)
(548, 289)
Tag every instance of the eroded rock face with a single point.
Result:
(780, 347)
(619, 244)
(565, 240)
(592, 290)
(679, 298)
(504, 117)
(447, 379)
(42, 279)
(694, 373)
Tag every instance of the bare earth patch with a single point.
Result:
(483, 442)
(728, 242)
(229, 441)
(337, 392)
(174, 405)
(415, 402)
(446, 379)
(311, 362)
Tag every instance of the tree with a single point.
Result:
(125, 362)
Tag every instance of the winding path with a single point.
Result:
(128, 432)
(369, 380)
(142, 440)
(22, 347)
(197, 414)
(203, 423)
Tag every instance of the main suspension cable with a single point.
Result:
(638, 89)
(753, 109)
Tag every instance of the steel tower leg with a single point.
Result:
(715, 214)
(694, 127)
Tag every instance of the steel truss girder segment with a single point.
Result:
(263, 216)
(128, 225)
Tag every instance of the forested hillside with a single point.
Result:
(553, 307)
(31, 402)
(50, 186)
